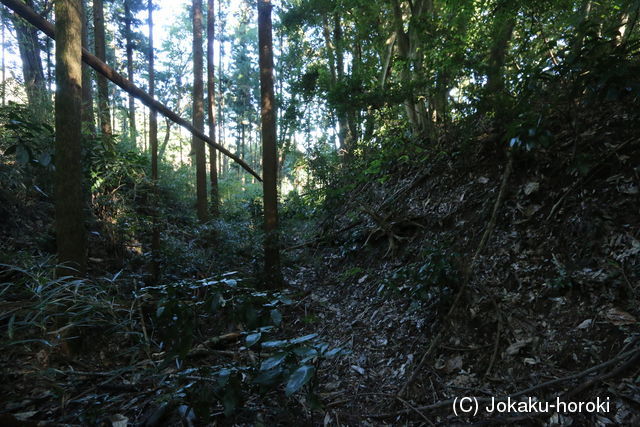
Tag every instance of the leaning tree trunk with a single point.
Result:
(70, 230)
(273, 275)
(211, 106)
(198, 113)
(102, 68)
(104, 114)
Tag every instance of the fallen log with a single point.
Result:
(94, 62)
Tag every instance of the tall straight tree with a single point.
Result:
(222, 161)
(70, 230)
(153, 144)
(128, 35)
(32, 71)
(103, 89)
(198, 112)
(88, 118)
(4, 75)
(211, 106)
(273, 275)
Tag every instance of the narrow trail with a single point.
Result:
(383, 337)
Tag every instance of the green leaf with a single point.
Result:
(299, 378)
(253, 338)
(22, 154)
(305, 352)
(44, 159)
(274, 344)
(273, 361)
(230, 282)
(304, 338)
(332, 352)
(269, 377)
(276, 316)
(223, 377)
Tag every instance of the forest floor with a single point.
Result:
(470, 276)
(551, 304)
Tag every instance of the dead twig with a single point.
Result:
(497, 341)
(413, 408)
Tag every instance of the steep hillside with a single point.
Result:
(468, 276)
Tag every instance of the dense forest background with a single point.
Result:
(318, 212)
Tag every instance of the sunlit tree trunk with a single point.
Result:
(273, 275)
(153, 145)
(211, 105)
(165, 142)
(88, 119)
(70, 230)
(198, 112)
(224, 161)
(29, 47)
(129, 48)
(2, 65)
(104, 114)
(405, 72)
(628, 22)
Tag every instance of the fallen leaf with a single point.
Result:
(24, 416)
(531, 187)
(358, 369)
(585, 324)
(119, 420)
(517, 346)
(619, 317)
(453, 364)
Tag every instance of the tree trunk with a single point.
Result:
(129, 47)
(211, 106)
(198, 113)
(386, 61)
(102, 68)
(344, 125)
(3, 66)
(629, 20)
(88, 119)
(153, 145)
(405, 74)
(104, 114)
(70, 230)
(273, 275)
(165, 142)
(224, 161)
(504, 24)
(32, 71)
